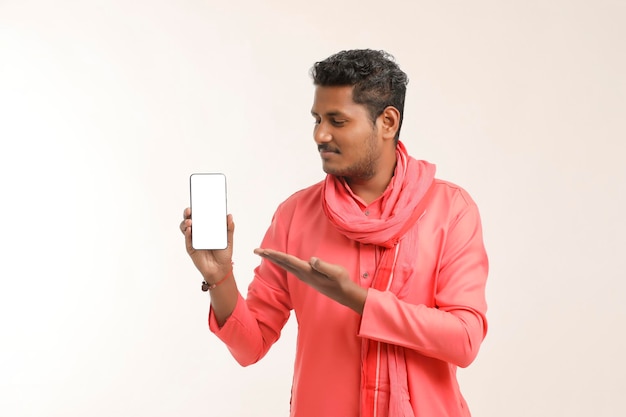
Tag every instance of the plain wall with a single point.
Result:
(106, 107)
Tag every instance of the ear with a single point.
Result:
(389, 122)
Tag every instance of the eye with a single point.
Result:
(337, 123)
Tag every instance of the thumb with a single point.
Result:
(325, 268)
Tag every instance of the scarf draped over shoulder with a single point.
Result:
(403, 203)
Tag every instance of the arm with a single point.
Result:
(454, 328)
(255, 323)
(331, 280)
(247, 326)
(215, 266)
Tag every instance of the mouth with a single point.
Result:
(326, 150)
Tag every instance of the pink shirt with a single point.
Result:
(440, 319)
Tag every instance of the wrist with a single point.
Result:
(354, 296)
(211, 283)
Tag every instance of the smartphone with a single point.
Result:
(208, 211)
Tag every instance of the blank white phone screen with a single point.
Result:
(208, 211)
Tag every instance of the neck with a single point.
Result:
(371, 188)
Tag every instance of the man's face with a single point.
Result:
(348, 141)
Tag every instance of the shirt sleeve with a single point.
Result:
(257, 320)
(454, 328)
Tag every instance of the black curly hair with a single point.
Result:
(378, 81)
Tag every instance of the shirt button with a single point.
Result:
(367, 212)
(365, 275)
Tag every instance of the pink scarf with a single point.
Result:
(403, 204)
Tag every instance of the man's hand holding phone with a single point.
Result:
(209, 230)
(213, 264)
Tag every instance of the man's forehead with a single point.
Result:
(332, 99)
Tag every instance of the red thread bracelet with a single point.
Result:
(206, 286)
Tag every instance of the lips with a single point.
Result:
(325, 149)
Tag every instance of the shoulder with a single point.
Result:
(308, 198)
(301, 208)
(452, 194)
(451, 202)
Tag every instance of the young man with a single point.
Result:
(383, 264)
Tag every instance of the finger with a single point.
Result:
(184, 225)
(325, 268)
(230, 230)
(276, 255)
(187, 213)
(187, 233)
(298, 272)
(288, 262)
(287, 267)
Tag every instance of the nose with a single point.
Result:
(321, 134)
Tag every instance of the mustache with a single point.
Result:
(324, 147)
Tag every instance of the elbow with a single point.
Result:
(244, 363)
(473, 337)
(466, 358)
(245, 360)
(247, 357)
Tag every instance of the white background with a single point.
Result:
(106, 107)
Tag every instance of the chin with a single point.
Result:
(330, 170)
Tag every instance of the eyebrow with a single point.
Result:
(330, 114)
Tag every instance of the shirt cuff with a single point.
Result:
(229, 323)
(370, 323)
